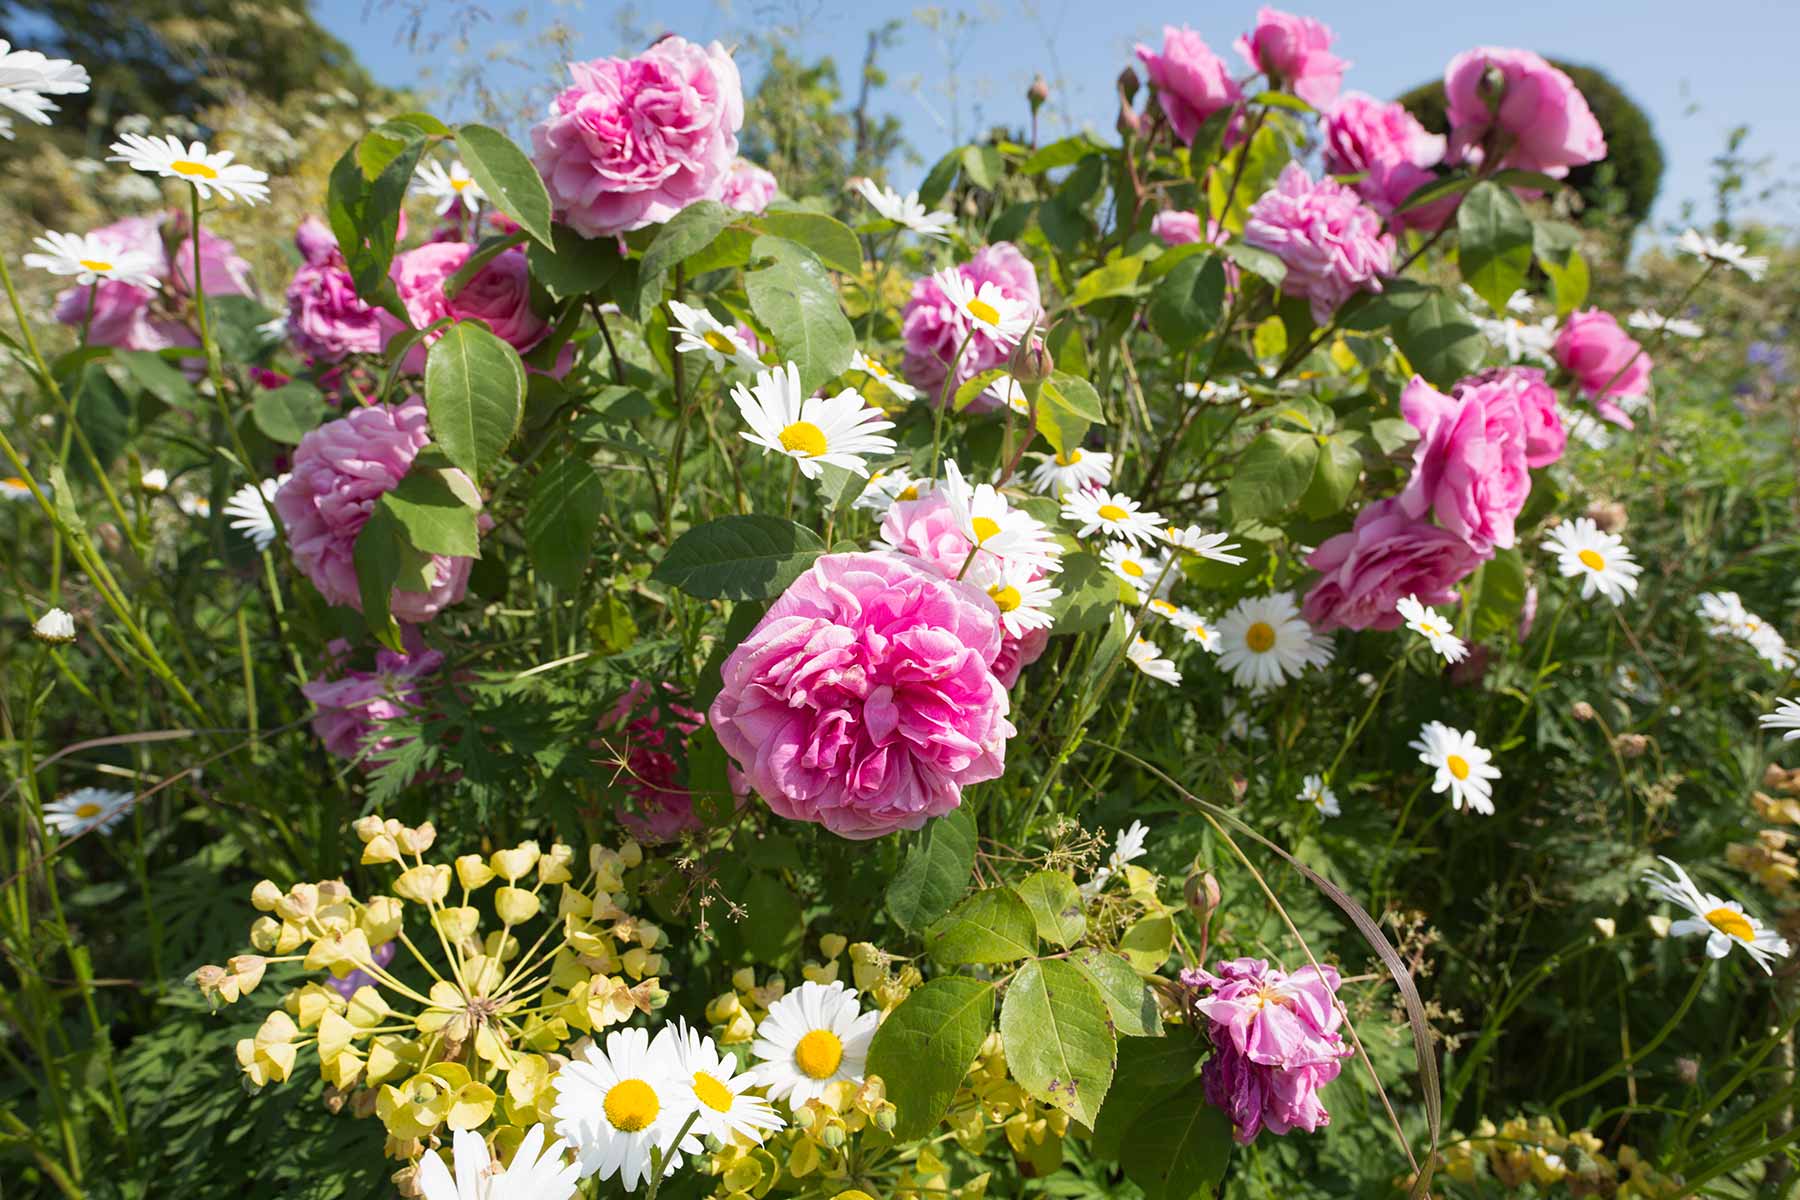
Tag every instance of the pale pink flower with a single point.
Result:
(1192, 83)
(1606, 362)
(1332, 243)
(934, 328)
(748, 188)
(351, 705)
(1514, 103)
(1295, 53)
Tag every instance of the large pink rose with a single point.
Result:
(1605, 361)
(749, 188)
(636, 140)
(1333, 243)
(1469, 462)
(499, 294)
(1392, 152)
(1514, 103)
(326, 318)
(351, 705)
(1386, 556)
(1192, 83)
(934, 329)
(1294, 52)
(1545, 436)
(865, 699)
(340, 470)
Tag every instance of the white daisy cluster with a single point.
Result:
(27, 81)
(1463, 768)
(1655, 322)
(1519, 340)
(1724, 253)
(1128, 847)
(1010, 552)
(1265, 642)
(814, 431)
(904, 211)
(1723, 923)
(1599, 559)
(1726, 617)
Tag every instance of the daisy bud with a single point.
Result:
(1031, 364)
(512, 864)
(380, 849)
(1581, 710)
(426, 884)
(515, 905)
(56, 628)
(368, 827)
(265, 896)
(418, 840)
(1631, 745)
(264, 932)
(473, 872)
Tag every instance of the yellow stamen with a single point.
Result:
(1073, 457)
(94, 264)
(1592, 560)
(631, 1105)
(803, 437)
(985, 528)
(1006, 597)
(1731, 923)
(1112, 512)
(981, 310)
(710, 1092)
(818, 1054)
(457, 185)
(184, 166)
(1457, 765)
(90, 809)
(1260, 637)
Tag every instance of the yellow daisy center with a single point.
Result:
(13, 481)
(819, 1053)
(718, 341)
(876, 369)
(631, 1105)
(1591, 560)
(1132, 567)
(803, 437)
(94, 264)
(90, 809)
(981, 310)
(457, 185)
(187, 166)
(910, 492)
(710, 1092)
(1428, 629)
(1112, 512)
(1201, 631)
(1457, 765)
(1068, 460)
(985, 528)
(1731, 922)
(1006, 597)
(1260, 637)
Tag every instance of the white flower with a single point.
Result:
(1436, 630)
(155, 481)
(1599, 558)
(1314, 791)
(1023, 599)
(1655, 322)
(1728, 254)
(722, 1103)
(995, 527)
(1464, 769)
(1630, 680)
(991, 310)
(209, 172)
(251, 511)
(194, 506)
(614, 1105)
(1726, 616)
(1216, 546)
(56, 627)
(1144, 571)
(1114, 513)
(1786, 716)
(91, 260)
(1774, 649)
(1011, 393)
(1075, 470)
(1267, 642)
(1723, 923)
(12, 487)
(87, 808)
(905, 211)
(887, 487)
(447, 187)
(1147, 658)
(703, 333)
(1519, 340)
(535, 1173)
(1214, 392)
(812, 1036)
(1196, 628)
(875, 369)
(1128, 847)
(1237, 723)
(840, 430)
(27, 77)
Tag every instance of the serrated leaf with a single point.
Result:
(1128, 998)
(992, 926)
(560, 522)
(923, 1049)
(508, 177)
(1273, 473)
(1148, 943)
(825, 236)
(1056, 906)
(1494, 240)
(1059, 1044)
(795, 300)
(474, 395)
(934, 873)
(748, 557)
(288, 413)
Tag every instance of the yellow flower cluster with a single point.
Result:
(990, 1100)
(1768, 858)
(1533, 1152)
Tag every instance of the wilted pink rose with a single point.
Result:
(326, 318)
(499, 294)
(1513, 102)
(1294, 52)
(1545, 436)
(1333, 243)
(1192, 83)
(1469, 462)
(749, 188)
(1606, 362)
(634, 141)
(1275, 1043)
(865, 699)
(643, 735)
(340, 470)
(934, 328)
(351, 705)
(1385, 557)
(1386, 145)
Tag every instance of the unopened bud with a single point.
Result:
(1631, 745)
(1687, 1070)
(1031, 364)
(1240, 787)
(1128, 85)
(1202, 893)
(1037, 93)
(1581, 710)
(1609, 516)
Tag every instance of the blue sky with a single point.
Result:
(1698, 70)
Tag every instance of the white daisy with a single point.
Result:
(1464, 769)
(13, 487)
(702, 333)
(1008, 391)
(995, 527)
(98, 809)
(1144, 570)
(840, 430)
(208, 171)
(1267, 642)
(56, 627)
(251, 516)
(1216, 546)
(990, 310)
(194, 506)
(1196, 628)
(905, 211)
(155, 481)
(614, 1105)
(1774, 649)
(1215, 392)
(1115, 513)
(1147, 658)
(1519, 340)
(1786, 716)
(722, 1103)
(1723, 923)
(536, 1172)
(1128, 847)
(27, 77)
(1728, 254)
(1314, 791)
(1600, 558)
(1237, 722)
(885, 488)
(91, 260)
(1022, 597)
(875, 369)
(1074, 470)
(1424, 620)
(447, 187)
(813, 1036)
(1655, 322)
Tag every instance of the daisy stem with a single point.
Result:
(679, 382)
(937, 419)
(1543, 667)
(1356, 729)
(656, 1154)
(1632, 1060)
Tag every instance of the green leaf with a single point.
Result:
(972, 387)
(491, 247)
(1178, 1147)
(475, 396)
(1059, 1043)
(1116, 278)
(363, 207)
(1068, 406)
(839, 488)
(1064, 153)
(1257, 261)
(796, 301)
(437, 510)
(1494, 241)
(1339, 467)
(1437, 190)
(750, 557)
(560, 522)
(1089, 593)
(1274, 472)
(382, 556)
(510, 180)
(157, 376)
(289, 412)
(1056, 906)
(776, 924)
(992, 926)
(1569, 283)
(1439, 339)
(687, 233)
(1128, 998)
(1498, 592)
(1149, 1069)
(573, 265)
(935, 871)
(825, 236)
(1147, 944)
(923, 1049)
(1188, 301)
(982, 165)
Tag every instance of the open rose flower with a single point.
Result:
(1295, 53)
(934, 328)
(1386, 556)
(1332, 242)
(1192, 83)
(499, 295)
(748, 188)
(327, 320)
(1514, 102)
(351, 705)
(1545, 437)
(1393, 153)
(1469, 462)
(865, 699)
(1606, 362)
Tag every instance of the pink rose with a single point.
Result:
(1514, 103)
(1545, 436)
(634, 141)
(1332, 242)
(1294, 52)
(1386, 556)
(865, 699)
(1175, 228)
(352, 706)
(1393, 152)
(748, 188)
(1192, 83)
(1605, 361)
(934, 329)
(340, 470)
(1469, 462)
(327, 320)
(499, 295)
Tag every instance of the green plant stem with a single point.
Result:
(937, 418)
(214, 369)
(1625, 1064)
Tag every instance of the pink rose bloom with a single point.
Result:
(1469, 462)
(749, 188)
(352, 706)
(643, 733)
(934, 328)
(1017, 653)
(1332, 242)
(327, 320)
(1386, 556)
(499, 295)
(340, 470)
(1294, 52)
(1545, 436)
(1275, 1043)
(636, 140)
(1605, 361)
(1175, 228)
(1537, 118)
(865, 699)
(1192, 83)
(1393, 152)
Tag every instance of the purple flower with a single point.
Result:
(352, 706)
(346, 987)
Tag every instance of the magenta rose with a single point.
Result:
(635, 140)
(647, 732)
(1545, 436)
(1469, 462)
(351, 705)
(1333, 243)
(748, 188)
(865, 699)
(1605, 361)
(934, 329)
(1295, 53)
(1192, 83)
(498, 295)
(1385, 557)
(1513, 103)
(327, 320)
(340, 470)
(1392, 152)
